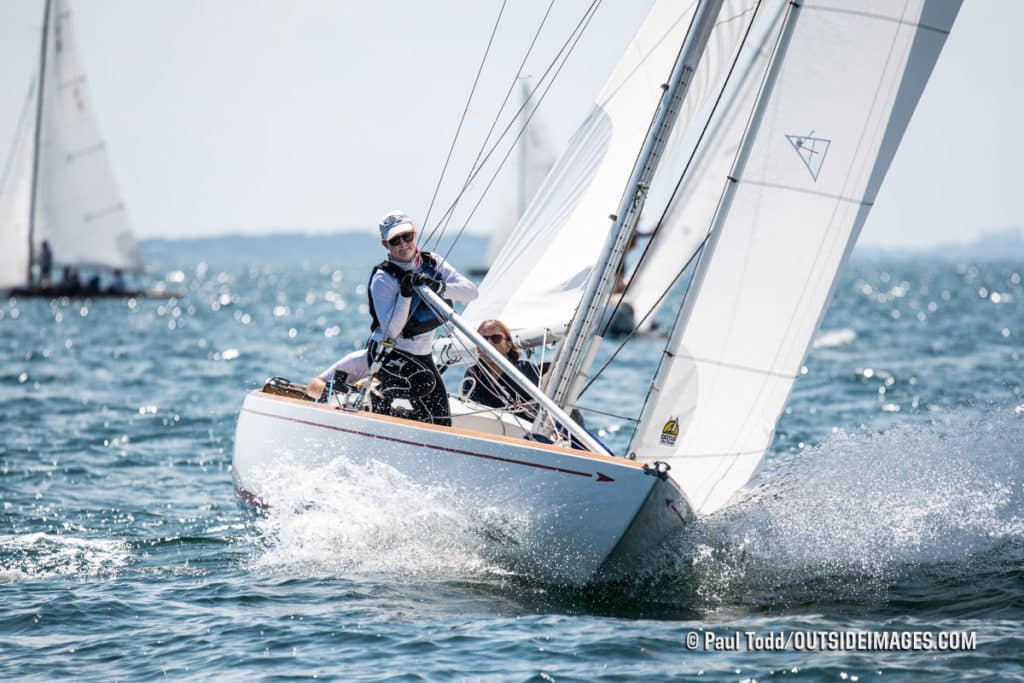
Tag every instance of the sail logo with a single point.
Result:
(670, 432)
(811, 150)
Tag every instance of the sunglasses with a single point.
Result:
(404, 237)
(495, 338)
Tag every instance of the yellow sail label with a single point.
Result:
(670, 432)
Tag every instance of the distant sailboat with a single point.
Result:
(58, 185)
(535, 155)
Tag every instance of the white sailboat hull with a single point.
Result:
(571, 509)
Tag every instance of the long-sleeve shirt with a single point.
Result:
(393, 309)
(489, 388)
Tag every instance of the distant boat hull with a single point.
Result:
(59, 292)
(562, 513)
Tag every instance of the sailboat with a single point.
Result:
(59, 185)
(807, 140)
(534, 158)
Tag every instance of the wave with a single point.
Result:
(922, 510)
(831, 339)
(40, 555)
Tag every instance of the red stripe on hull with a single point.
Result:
(424, 445)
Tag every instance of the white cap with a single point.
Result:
(395, 223)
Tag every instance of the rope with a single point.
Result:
(573, 39)
(508, 94)
(649, 313)
(465, 110)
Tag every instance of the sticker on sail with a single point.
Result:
(670, 432)
(811, 150)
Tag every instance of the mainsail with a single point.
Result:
(540, 274)
(821, 138)
(78, 206)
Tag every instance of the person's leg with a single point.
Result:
(415, 379)
(431, 400)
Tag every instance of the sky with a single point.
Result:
(258, 116)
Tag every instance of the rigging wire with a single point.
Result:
(648, 314)
(570, 43)
(606, 414)
(465, 110)
(494, 123)
(512, 86)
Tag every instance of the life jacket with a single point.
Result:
(421, 317)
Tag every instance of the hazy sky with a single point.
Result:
(231, 116)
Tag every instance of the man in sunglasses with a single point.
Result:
(402, 318)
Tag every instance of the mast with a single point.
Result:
(36, 141)
(523, 153)
(561, 386)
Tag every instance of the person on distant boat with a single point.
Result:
(485, 383)
(620, 273)
(92, 285)
(45, 263)
(117, 286)
(402, 318)
(69, 279)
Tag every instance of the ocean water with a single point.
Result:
(892, 501)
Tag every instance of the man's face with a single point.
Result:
(402, 247)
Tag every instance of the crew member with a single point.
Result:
(402, 318)
(487, 384)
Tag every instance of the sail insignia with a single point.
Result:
(812, 151)
(670, 432)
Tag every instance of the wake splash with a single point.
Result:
(851, 517)
(39, 555)
(344, 519)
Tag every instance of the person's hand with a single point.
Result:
(407, 284)
(437, 285)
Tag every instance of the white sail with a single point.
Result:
(534, 158)
(541, 272)
(15, 199)
(841, 89)
(78, 206)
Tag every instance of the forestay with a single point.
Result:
(841, 89)
(539, 275)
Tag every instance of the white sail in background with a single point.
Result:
(79, 208)
(534, 158)
(842, 88)
(540, 274)
(15, 199)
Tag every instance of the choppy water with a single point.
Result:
(892, 500)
